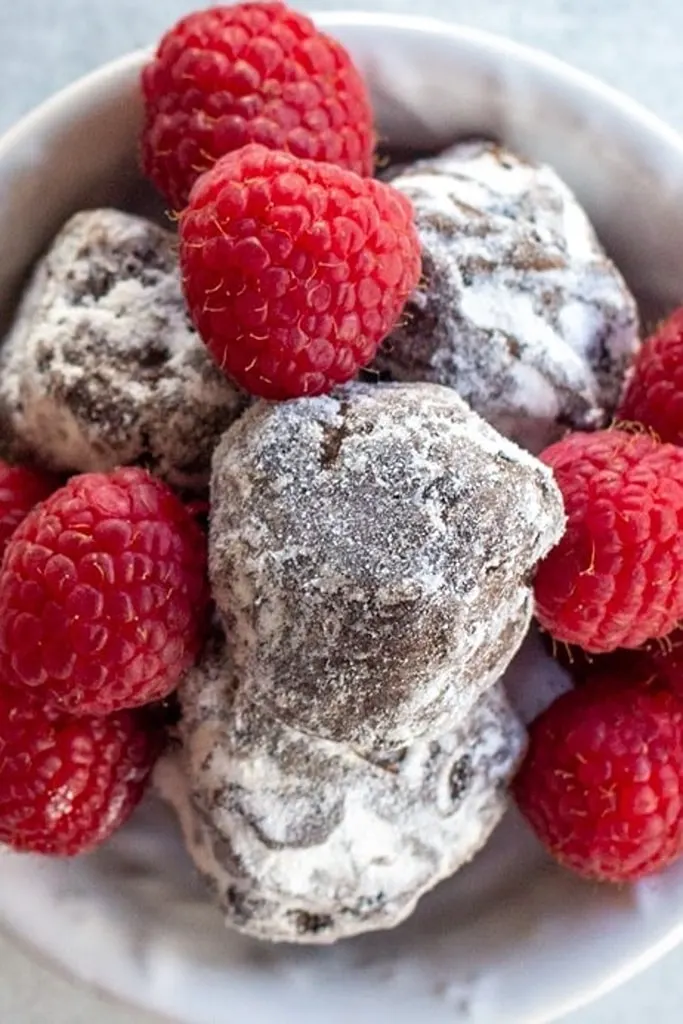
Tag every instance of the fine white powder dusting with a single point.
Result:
(370, 555)
(102, 366)
(519, 309)
(302, 839)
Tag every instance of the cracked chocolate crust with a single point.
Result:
(519, 309)
(370, 557)
(301, 839)
(102, 366)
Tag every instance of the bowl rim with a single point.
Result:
(100, 79)
(88, 90)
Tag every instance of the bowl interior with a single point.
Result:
(432, 83)
(491, 944)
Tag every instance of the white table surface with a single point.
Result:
(636, 45)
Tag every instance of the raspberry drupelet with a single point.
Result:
(103, 594)
(21, 488)
(294, 271)
(602, 782)
(654, 393)
(615, 579)
(251, 72)
(67, 783)
(666, 655)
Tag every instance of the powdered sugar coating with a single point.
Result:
(519, 309)
(304, 840)
(370, 554)
(102, 366)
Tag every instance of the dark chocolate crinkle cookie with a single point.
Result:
(304, 840)
(371, 555)
(519, 309)
(102, 366)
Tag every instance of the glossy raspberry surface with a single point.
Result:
(66, 783)
(20, 489)
(616, 577)
(103, 594)
(602, 782)
(295, 271)
(654, 393)
(251, 72)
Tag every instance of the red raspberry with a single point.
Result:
(253, 72)
(20, 489)
(666, 656)
(294, 271)
(66, 784)
(103, 594)
(654, 393)
(616, 577)
(602, 782)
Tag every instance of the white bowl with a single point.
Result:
(511, 938)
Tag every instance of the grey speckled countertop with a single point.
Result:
(636, 45)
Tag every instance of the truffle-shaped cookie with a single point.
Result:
(370, 554)
(102, 366)
(304, 840)
(519, 309)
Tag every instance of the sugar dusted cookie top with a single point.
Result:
(371, 554)
(102, 366)
(519, 309)
(303, 840)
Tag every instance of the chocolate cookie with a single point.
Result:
(371, 555)
(519, 309)
(102, 366)
(304, 840)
